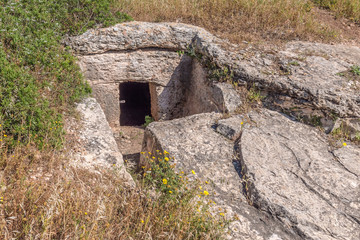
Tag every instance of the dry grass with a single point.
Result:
(43, 198)
(236, 20)
(342, 8)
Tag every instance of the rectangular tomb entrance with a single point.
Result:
(135, 103)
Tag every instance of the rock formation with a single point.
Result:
(96, 147)
(282, 178)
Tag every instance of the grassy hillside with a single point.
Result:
(38, 76)
(250, 20)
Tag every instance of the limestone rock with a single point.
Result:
(349, 157)
(99, 148)
(305, 71)
(134, 36)
(226, 97)
(196, 146)
(294, 176)
(231, 127)
(279, 170)
(280, 177)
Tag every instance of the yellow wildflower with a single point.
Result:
(165, 152)
(193, 172)
(222, 214)
(166, 159)
(85, 213)
(344, 144)
(164, 181)
(142, 221)
(170, 191)
(242, 123)
(206, 193)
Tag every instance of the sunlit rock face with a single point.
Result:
(282, 178)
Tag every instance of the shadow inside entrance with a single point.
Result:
(135, 103)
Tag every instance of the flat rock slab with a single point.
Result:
(98, 147)
(196, 146)
(294, 176)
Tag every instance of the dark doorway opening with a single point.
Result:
(135, 103)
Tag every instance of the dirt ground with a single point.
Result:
(349, 32)
(129, 140)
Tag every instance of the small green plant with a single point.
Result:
(357, 137)
(180, 53)
(218, 73)
(341, 74)
(148, 120)
(315, 120)
(222, 74)
(294, 63)
(344, 132)
(355, 70)
(254, 95)
(353, 74)
(191, 52)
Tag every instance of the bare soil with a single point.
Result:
(129, 140)
(348, 31)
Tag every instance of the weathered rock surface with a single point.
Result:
(282, 178)
(196, 146)
(226, 97)
(178, 84)
(284, 168)
(231, 128)
(350, 126)
(294, 176)
(134, 36)
(97, 147)
(307, 71)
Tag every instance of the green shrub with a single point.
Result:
(148, 120)
(39, 78)
(183, 198)
(355, 70)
